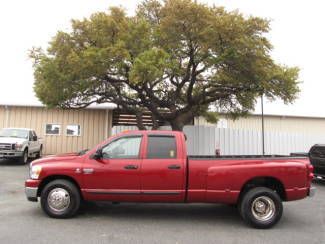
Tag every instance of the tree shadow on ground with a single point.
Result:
(10, 162)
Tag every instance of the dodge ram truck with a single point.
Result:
(153, 166)
(19, 143)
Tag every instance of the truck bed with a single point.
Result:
(214, 178)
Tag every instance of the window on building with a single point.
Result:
(161, 146)
(52, 129)
(124, 147)
(73, 130)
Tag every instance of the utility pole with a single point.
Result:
(263, 144)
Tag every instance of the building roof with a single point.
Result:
(288, 116)
(109, 106)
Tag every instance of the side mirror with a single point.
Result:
(34, 138)
(97, 155)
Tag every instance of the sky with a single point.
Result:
(297, 34)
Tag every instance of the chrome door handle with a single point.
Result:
(174, 166)
(88, 171)
(131, 166)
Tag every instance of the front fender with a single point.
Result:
(24, 148)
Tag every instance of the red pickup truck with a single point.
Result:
(153, 166)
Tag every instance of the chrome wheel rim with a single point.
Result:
(263, 208)
(58, 200)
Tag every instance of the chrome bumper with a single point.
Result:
(10, 154)
(31, 193)
(312, 191)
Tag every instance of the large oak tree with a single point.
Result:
(176, 58)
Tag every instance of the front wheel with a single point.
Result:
(60, 199)
(261, 207)
(24, 158)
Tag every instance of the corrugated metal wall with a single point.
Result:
(203, 140)
(292, 124)
(95, 125)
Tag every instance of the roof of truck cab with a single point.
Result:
(15, 128)
(148, 132)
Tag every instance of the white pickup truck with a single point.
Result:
(19, 143)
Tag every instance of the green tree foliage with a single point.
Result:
(176, 58)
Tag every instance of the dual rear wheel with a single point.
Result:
(261, 207)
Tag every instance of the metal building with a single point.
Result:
(72, 130)
(61, 130)
(272, 123)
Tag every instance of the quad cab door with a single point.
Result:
(116, 175)
(163, 169)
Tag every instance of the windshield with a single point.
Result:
(15, 133)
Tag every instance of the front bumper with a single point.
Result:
(312, 191)
(31, 193)
(31, 189)
(10, 154)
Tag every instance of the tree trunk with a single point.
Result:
(155, 124)
(176, 126)
(140, 124)
(181, 120)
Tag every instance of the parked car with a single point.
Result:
(19, 143)
(317, 159)
(153, 166)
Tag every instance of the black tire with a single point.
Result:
(24, 158)
(74, 199)
(265, 197)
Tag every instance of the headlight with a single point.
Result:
(18, 146)
(35, 171)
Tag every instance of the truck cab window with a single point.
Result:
(125, 147)
(161, 146)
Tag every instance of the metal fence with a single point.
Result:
(204, 140)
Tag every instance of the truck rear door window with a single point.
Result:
(161, 146)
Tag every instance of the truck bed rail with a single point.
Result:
(244, 156)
